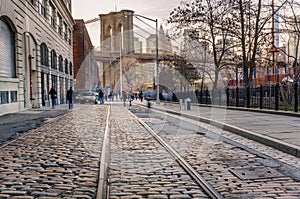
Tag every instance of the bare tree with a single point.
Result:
(211, 19)
(291, 22)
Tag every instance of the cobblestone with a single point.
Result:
(138, 159)
(57, 160)
(213, 159)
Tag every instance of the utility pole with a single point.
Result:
(273, 49)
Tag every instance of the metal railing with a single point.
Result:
(283, 97)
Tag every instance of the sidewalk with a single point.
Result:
(12, 124)
(278, 131)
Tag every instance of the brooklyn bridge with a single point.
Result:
(125, 62)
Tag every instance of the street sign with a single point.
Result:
(107, 87)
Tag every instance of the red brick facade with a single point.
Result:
(86, 71)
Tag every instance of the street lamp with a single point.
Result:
(156, 52)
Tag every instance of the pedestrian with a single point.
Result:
(101, 96)
(141, 96)
(53, 96)
(70, 98)
(124, 97)
(110, 96)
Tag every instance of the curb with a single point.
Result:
(274, 143)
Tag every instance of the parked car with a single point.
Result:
(87, 98)
(149, 95)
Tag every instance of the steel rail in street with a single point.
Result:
(103, 188)
(208, 189)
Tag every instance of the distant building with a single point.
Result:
(86, 70)
(164, 43)
(138, 45)
(36, 52)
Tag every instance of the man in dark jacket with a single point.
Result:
(53, 96)
(70, 97)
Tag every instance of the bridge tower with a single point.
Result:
(116, 37)
(117, 31)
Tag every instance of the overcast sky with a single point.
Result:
(89, 9)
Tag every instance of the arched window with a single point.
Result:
(60, 63)
(44, 55)
(7, 51)
(71, 68)
(53, 59)
(66, 66)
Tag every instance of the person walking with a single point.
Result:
(124, 97)
(70, 98)
(141, 96)
(53, 96)
(101, 96)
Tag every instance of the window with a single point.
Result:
(4, 97)
(42, 9)
(13, 96)
(51, 12)
(7, 52)
(65, 32)
(44, 55)
(68, 4)
(66, 66)
(60, 63)
(53, 59)
(59, 24)
(71, 68)
(70, 35)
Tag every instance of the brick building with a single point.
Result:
(86, 70)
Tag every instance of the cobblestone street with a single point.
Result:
(57, 160)
(61, 159)
(140, 167)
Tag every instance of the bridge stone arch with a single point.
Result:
(116, 31)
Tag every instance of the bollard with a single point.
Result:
(227, 96)
(277, 97)
(296, 97)
(180, 103)
(237, 97)
(261, 95)
(248, 96)
(187, 104)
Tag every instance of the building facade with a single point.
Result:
(86, 70)
(164, 43)
(35, 52)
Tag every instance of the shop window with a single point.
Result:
(4, 97)
(7, 52)
(13, 96)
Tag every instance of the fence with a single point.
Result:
(273, 97)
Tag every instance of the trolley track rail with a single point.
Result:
(288, 172)
(214, 194)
